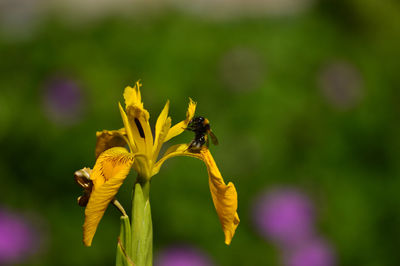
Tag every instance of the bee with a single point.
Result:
(201, 128)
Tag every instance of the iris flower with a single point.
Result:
(114, 162)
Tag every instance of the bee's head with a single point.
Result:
(196, 121)
(199, 122)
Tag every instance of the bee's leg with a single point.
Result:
(207, 142)
(190, 145)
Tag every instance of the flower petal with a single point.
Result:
(142, 135)
(107, 139)
(175, 150)
(128, 129)
(132, 96)
(138, 119)
(180, 127)
(224, 196)
(163, 125)
(108, 174)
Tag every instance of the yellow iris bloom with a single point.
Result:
(114, 162)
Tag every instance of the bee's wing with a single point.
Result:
(213, 137)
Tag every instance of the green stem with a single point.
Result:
(146, 189)
(135, 243)
(141, 228)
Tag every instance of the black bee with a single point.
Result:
(201, 128)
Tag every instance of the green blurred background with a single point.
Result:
(304, 95)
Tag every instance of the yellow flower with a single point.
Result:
(114, 162)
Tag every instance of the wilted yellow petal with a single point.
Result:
(108, 174)
(224, 196)
(107, 139)
(180, 127)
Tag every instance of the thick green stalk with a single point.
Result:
(141, 228)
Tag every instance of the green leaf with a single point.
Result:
(142, 228)
(124, 247)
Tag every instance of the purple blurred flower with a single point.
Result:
(63, 100)
(18, 239)
(182, 255)
(311, 253)
(341, 85)
(285, 215)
